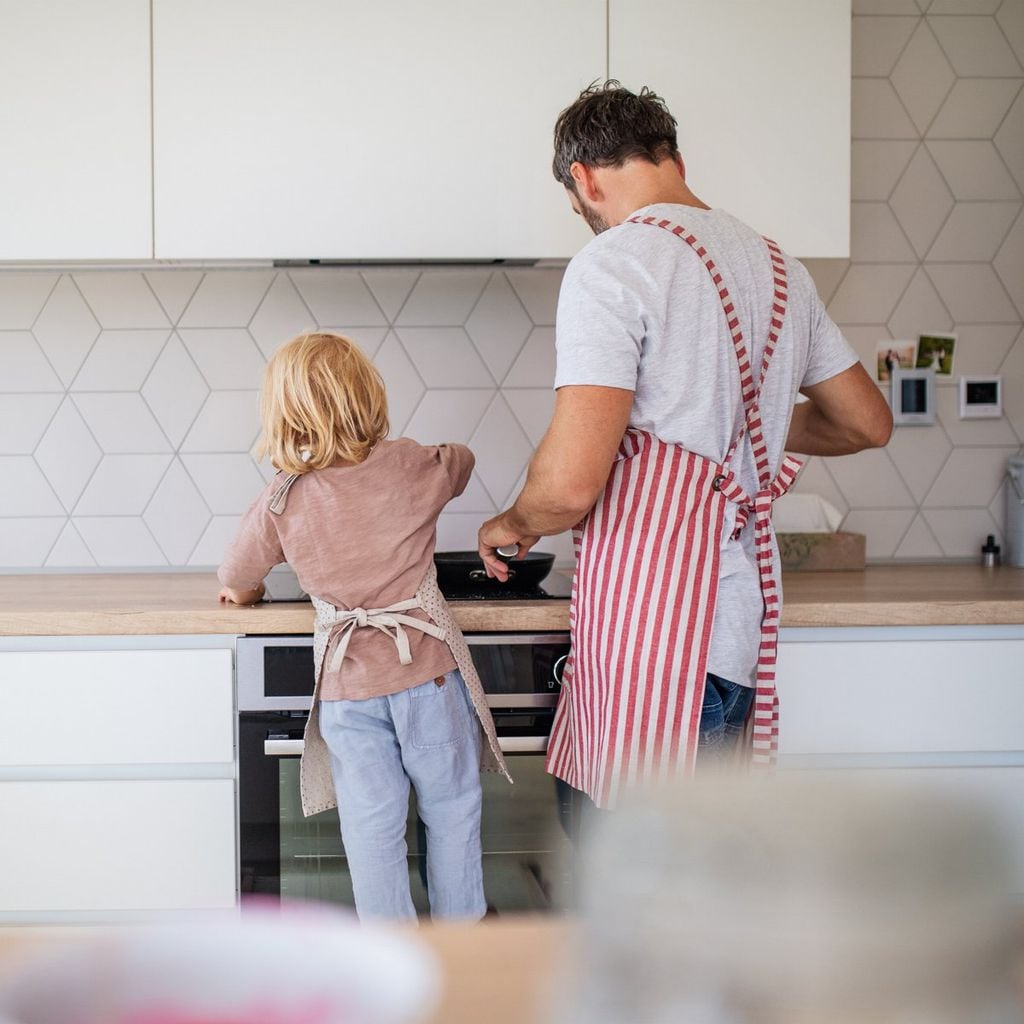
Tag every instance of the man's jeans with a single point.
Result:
(722, 718)
(428, 736)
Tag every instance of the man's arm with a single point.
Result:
(843, 415)
(568, 471)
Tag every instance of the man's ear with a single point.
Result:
(678, 158)
(586, 183)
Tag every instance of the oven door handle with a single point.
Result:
(508, 744)
(283, 748)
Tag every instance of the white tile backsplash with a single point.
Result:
(21, 298)
(26, 492)
(445, 415)
(923, 76)
(23, 421)
(121, 299)
(66, 329)
(68, 454)
(228, 483)
(175, 390)
(974, 232)
(155, 437)
(121, 422)
(174, 289)
(25, 367)
(498, 326)
(176, 514)
(976, 46)
(227, 357)
(227, 298)
(120, 360)
(281, 316)
(122, 485)
(973, 169)
(444, 357)
(330, 299)
(443, 298)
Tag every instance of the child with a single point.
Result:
(396, 698)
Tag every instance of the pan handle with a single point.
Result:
(481, 574)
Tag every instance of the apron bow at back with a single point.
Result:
(342, 623)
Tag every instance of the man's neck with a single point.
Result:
(639, 184)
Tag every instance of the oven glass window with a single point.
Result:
(525, 851)
(288, 671)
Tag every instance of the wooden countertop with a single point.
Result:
(186, 603)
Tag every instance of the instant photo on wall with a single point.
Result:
(913, 397)
(894, 355)
(935, 352)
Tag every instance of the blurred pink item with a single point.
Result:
(302, 965)
(316, 1012)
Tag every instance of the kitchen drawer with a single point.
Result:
(96, 846)
(901, 696)
(116, 707)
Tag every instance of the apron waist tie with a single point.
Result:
(343, 623)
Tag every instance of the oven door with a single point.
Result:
(524, 845)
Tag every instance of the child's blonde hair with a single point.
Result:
(322, 395)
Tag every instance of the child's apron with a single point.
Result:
(316, 783)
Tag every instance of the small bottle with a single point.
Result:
(990, 552)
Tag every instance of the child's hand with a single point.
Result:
(228, 595)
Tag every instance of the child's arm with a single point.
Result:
(250, 556)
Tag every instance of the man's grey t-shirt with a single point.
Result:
(638, 310)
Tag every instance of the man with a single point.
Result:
(683, 341)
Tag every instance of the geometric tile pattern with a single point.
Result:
(939, 140)
(127, 398)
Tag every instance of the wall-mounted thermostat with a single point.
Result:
(913, 397)
(981, 398)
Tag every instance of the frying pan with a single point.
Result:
(462, 571)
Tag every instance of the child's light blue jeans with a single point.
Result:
(428, 736)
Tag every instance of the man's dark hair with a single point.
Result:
(609, 125)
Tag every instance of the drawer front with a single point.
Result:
(901, 696)
(90, 847)
(116, 707)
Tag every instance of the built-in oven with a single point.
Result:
(286, 855)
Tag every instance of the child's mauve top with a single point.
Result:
(360, 537)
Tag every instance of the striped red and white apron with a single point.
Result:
(646, 586)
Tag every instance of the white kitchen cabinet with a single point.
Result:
(100, 847)
(76, 176)
(761, 92)
(880, 692)
(933, 707)
(118, 707)
(354, 130)
(117, 777)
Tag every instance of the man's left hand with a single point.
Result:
(498, 533)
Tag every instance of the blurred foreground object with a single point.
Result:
(307, 966)
(791, 901)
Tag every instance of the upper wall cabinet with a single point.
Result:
(761, 91)
(75, 123)
(351, 129)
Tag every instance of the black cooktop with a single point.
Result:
(555, 588)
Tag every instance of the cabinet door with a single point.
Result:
(900, 697)
(117, 707)
(762, 95)
(355, 130)
(75, 122)
(86, 848)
